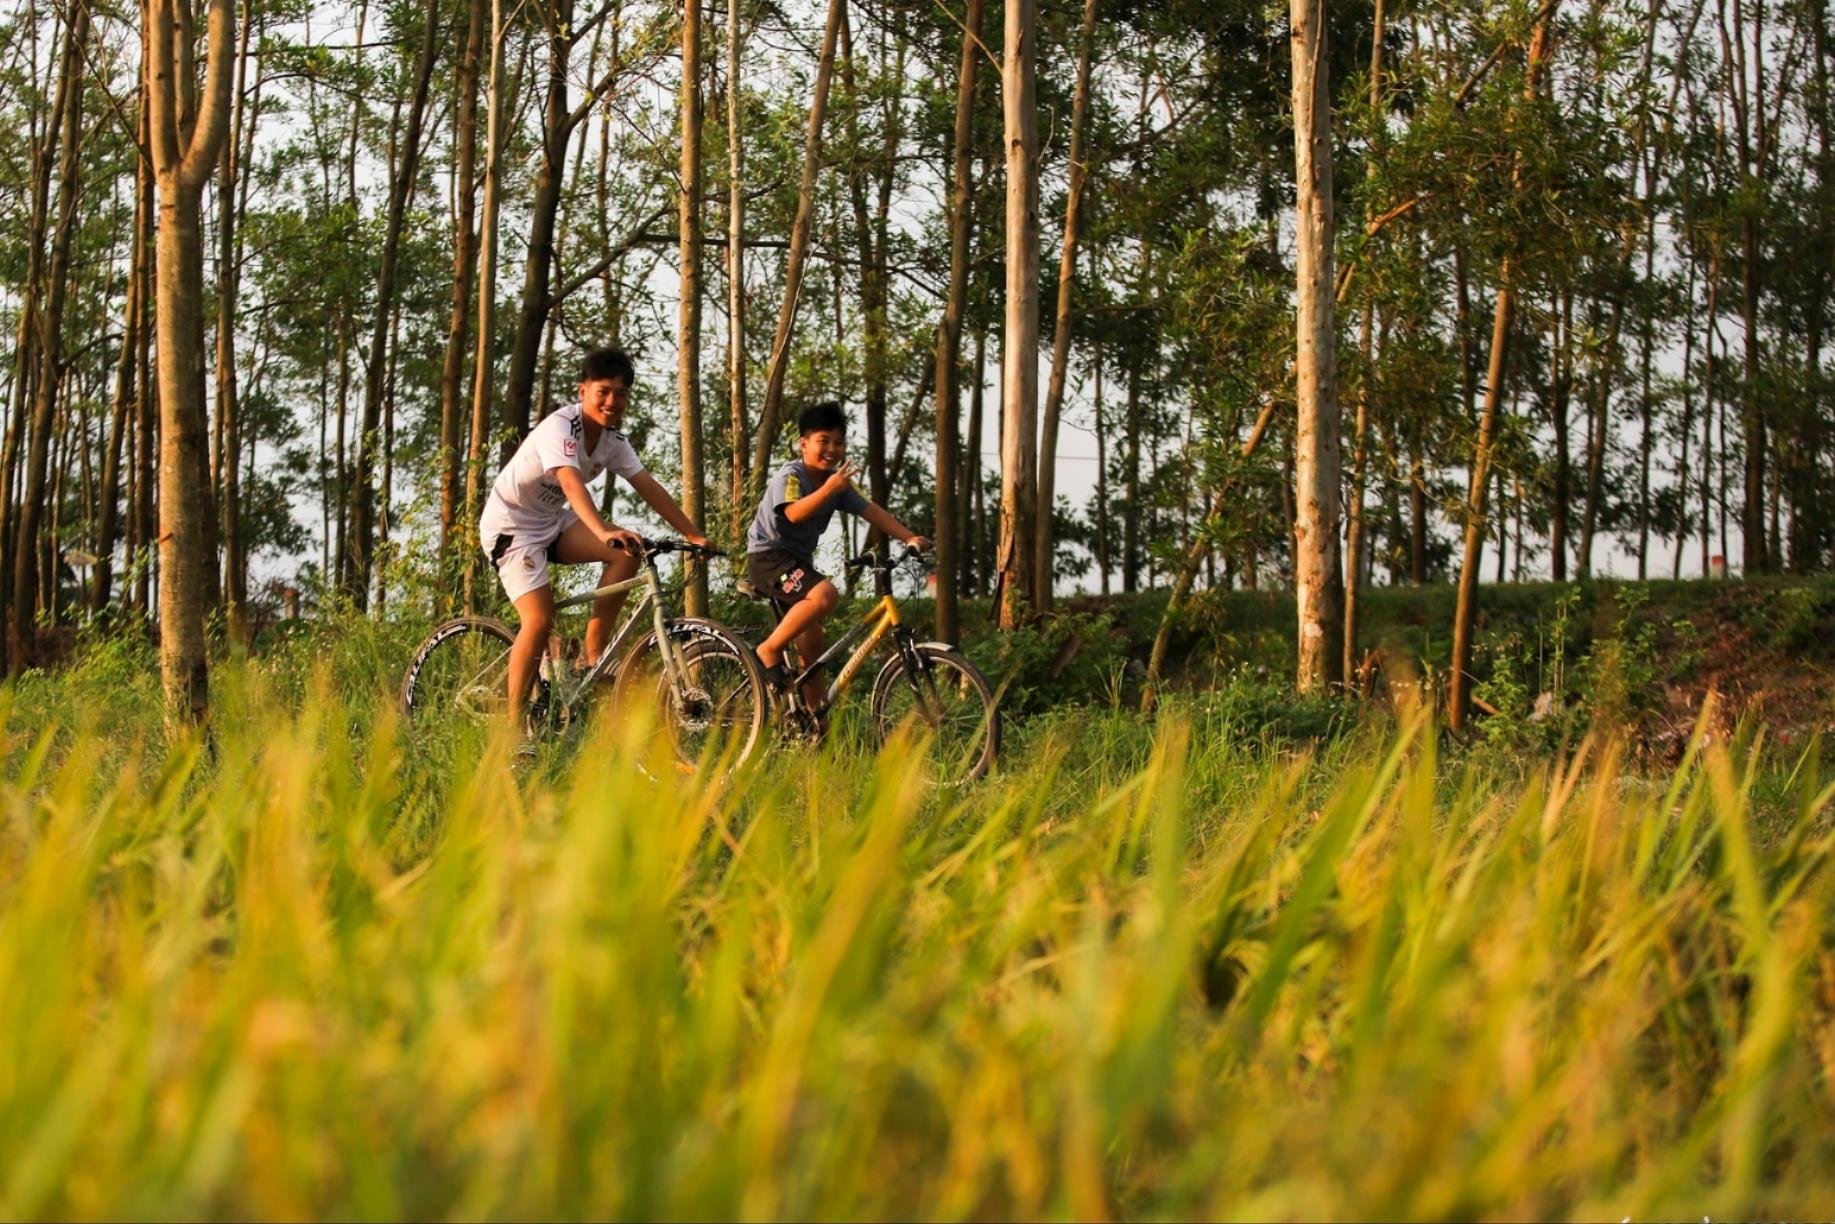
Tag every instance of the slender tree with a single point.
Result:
(48, 344)
(688, 340)
(187, 134)
(770, 412)
(949, 335)
(1466, 602)
(1019, 354)
(1078, 175)
(1318, 583)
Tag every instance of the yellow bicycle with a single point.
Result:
(931, 682)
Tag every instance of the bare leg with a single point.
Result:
(802, 622)
(535, 611)
(579, 546)
(808, 650)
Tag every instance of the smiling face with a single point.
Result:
(823, 450)
(603, 401)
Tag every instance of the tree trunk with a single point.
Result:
(1199, 549)
(487, 302)
(142, 554)
(1078, 173)
(464, 262)
(949, 335)
(872, 290)
(771, 410)
(27, 353)
(544, 207)
(1560, 391)
(1465, 604)
(126, 382)
(1354, 533)
(48, 342)
(973, 500)
(401, 188)
(688, 340)
(1317, 578)
(1688, 416)
(1131, 483)
(735, 270)
(1102, 491)
(182, 162)
(1019, 355)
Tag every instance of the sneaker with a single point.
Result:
(524, 752)
(776, 674)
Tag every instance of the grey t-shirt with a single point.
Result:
(771, 529)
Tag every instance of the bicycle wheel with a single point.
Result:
(948, 695)
(461, 671)
(718, 710)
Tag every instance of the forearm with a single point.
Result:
(811, 504)
(580, 498)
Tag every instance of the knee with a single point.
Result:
(536, 626)
(826, 598)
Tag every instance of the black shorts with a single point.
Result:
(783, 576)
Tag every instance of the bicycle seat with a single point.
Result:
(744, 587)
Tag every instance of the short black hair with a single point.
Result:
(825, 415)
(607, 363)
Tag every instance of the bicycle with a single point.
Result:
(707, 685)
(933, 682)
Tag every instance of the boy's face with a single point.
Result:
(824, 449)
(603, 400)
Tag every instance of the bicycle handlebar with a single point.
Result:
(655, 548)
(881, 562)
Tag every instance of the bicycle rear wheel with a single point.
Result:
(948, 695)
(718, 711)
(461, 671)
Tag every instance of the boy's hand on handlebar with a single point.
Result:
(629, 541)
(918, 543)
(698, 540)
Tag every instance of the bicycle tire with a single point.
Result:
(460, 670)
(725, 712)
(961, 713)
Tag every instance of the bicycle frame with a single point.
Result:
(651, 598)
(880, 621)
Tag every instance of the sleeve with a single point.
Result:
(786, 487)
(623, 460)
(556, 444)
(852, 501)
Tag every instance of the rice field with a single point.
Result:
(318, 967)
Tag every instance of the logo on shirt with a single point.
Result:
(569, 447)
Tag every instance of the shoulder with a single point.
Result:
(561, 423)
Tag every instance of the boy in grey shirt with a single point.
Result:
(781, 544)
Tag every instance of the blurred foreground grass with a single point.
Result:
(326, 970)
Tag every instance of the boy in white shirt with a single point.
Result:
(539, 511)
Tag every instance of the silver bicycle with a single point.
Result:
(703, 679)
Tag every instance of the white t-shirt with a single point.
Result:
(526, 500)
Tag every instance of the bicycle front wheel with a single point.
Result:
(461, 671)
(947, 694)
(715, 710)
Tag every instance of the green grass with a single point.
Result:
(323, 968)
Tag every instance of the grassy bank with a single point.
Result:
(321, 968)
